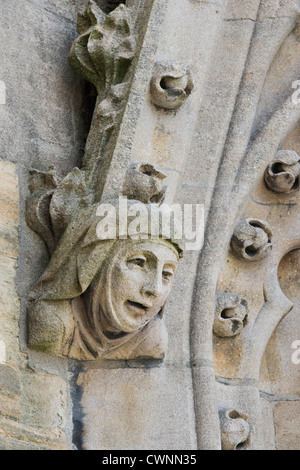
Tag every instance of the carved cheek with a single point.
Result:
(167, 289)
(130, 281)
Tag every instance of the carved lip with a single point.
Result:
(137, 307)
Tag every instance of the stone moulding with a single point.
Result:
(242, 162)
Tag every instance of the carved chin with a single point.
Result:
(133, 316)
(137, 315)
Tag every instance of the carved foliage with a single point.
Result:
(105, 48)
(282, 174)
(102, 54)
(170, 85)
(252, 239)
(109, 5)
(144, 182)
(41, 186)
(235, 429)
(52, 204)
(231, 315)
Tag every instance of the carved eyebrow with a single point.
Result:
(144, 254)
(136, 256)
(170, 265)
(151, 256)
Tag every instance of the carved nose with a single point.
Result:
(152, 289)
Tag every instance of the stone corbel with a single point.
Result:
(100, 298)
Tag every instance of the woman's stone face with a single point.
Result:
(142, 276)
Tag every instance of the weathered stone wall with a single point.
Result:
(42, 124)
(57, 403)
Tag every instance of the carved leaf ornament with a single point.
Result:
(104, 50)
(282, 174)
(171, 85)
(102, 55)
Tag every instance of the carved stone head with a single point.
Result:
(133, 285)
(116, 290)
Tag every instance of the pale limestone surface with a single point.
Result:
(40, 123)
(119, 413)
(31, 415)
(244, 60)
(9, 301)
(286, 419)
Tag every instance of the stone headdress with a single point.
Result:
(80, 254)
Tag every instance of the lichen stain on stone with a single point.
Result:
(227, 356)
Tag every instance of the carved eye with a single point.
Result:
(138, 261)
(167, 274)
